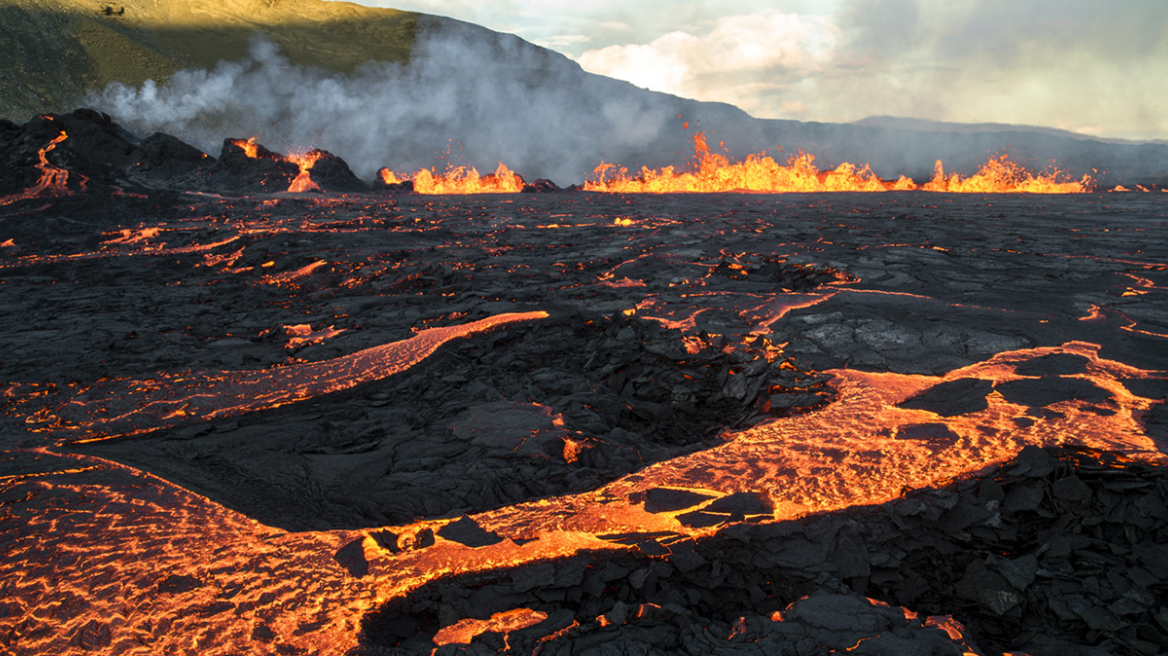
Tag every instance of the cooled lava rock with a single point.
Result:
(331, 173)
(240, 172)
(541, 185)
(165, 158)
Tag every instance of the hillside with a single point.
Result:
(58, 49)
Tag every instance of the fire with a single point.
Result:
(460, 180)
(303, 181)
(250, 147)
(389, 177)
(713, 173)
(1000, 175)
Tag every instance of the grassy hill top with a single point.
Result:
(58, 49)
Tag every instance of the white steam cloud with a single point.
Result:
(740, 60)
(483, 97)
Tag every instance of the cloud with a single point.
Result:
(561, 41)
(1042, 62)
(736, 51)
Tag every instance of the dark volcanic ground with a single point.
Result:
(672, 321)
(969, 276)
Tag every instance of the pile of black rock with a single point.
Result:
(102, 155)
(1057, 552)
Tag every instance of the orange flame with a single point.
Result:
(460, 180)
(249, 146)
(1000, 175)
(389, 177)
(303, 180)
(715, 173)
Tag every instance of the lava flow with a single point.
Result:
(458, 180)
(192, 577)
(125, 407)
(760, 173)
(53, 179)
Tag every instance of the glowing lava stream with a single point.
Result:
(852, 452)
(53, 179)
(125, 407)
(173, 572)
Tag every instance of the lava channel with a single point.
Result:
(119, 407)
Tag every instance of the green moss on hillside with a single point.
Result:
(59, 49)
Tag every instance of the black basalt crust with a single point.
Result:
(954, 398)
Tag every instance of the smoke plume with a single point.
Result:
(480, 96)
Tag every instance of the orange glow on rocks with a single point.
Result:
(861, 450)
(462, 632)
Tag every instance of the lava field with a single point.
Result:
(359, 419)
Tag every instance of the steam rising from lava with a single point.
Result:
(463, 84)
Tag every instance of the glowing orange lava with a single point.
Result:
(303, 180)
(1000, 175)
(113, 561)
(715, 173)
(53, 178)
(759, 173)
(459, 180)
(250, 147)
(124, 407)
(463, 631)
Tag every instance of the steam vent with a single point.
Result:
(261, 401)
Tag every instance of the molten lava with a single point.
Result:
(126, 407)
(1000, 175)
(463, 631)
(303, 180)
(53, 178)
(459, 180)
(713, 173)
(249, 146)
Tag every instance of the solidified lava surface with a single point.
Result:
(573, 422)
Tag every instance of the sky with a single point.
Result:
(1099, 68)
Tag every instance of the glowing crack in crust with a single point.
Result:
(121, 407)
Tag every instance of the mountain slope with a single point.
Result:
(58, 49)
